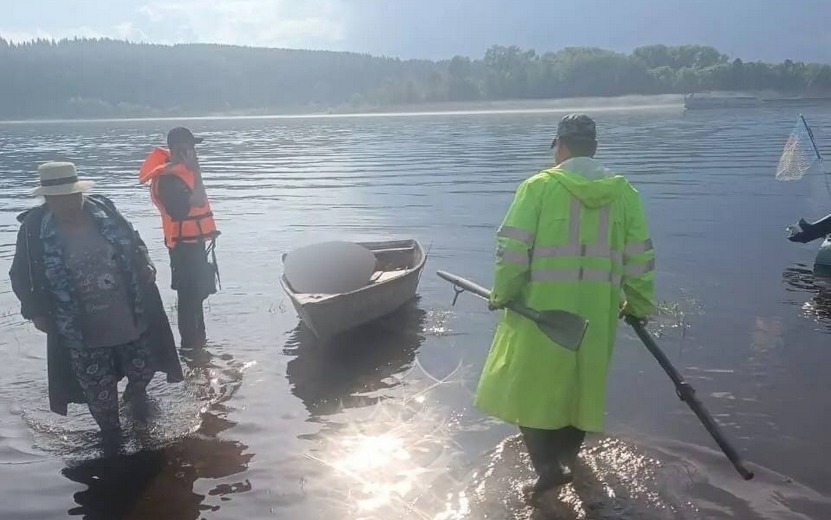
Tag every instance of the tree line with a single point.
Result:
(111, 78)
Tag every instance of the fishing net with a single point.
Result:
(800, 155)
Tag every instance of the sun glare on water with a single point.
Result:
(379, 463)
(394, 462)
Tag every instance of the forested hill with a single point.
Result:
(108, 78)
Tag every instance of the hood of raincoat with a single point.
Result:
(588, 180)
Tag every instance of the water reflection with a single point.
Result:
(384, 434)
(388, 457)
(158, 482)
(354, 369)
(613, 480)
(617, 479)
(801, 278)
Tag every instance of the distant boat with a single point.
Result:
(796, 101)
(706, 101)
(394, 283)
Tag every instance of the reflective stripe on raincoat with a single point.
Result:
(573, 238)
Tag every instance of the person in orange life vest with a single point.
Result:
(177, 190)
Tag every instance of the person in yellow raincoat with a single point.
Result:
(575, 238)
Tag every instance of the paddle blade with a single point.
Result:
(563, 328)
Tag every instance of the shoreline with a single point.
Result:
(448, 108)
(541, 106)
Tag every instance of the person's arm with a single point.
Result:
(638, 260)
(515, 240)
(141, 247)
(175, 196)
(810, 232)
(22, 284)
(198, 197)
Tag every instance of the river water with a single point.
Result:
(271, 424)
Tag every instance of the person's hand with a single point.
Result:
(803, 232)
(622, 310)
(191, 160)
(624, 314)
(198, 197)
(493, 306)
(41, 323)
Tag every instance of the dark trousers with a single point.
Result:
(193, 279)
(552, 450)
(191, 318)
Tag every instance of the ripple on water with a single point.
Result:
(383, 447)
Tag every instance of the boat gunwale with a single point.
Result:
(417, 250)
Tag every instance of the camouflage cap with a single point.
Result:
(576, 126)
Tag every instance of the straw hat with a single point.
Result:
(60, 178)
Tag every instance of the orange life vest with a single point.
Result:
(199, 225)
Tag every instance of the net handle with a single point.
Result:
(811, 135)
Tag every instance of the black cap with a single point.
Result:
(578, 127)
(180, 136)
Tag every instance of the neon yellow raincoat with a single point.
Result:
(574, 236)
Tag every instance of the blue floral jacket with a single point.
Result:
(66, 312)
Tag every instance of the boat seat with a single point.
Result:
(405, 249)
(382, 276)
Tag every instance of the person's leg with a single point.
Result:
(205, 286)
(538, 443)
(203, 334)
(95, 371)
(185, 269)
(189, 313)
(546, 449)
(573, 443)
(134, 359)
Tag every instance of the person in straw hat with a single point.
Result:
(84, 278)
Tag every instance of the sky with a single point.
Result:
(770, 30)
